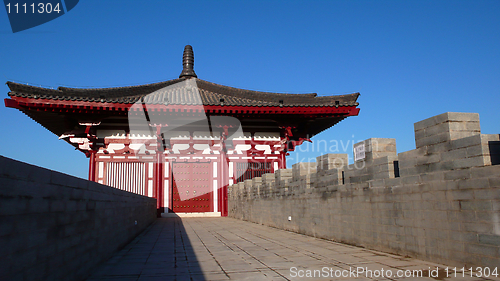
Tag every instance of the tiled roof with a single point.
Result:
(177, 92)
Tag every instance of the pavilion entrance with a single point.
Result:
(192, 191)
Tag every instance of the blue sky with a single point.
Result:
(410, 60)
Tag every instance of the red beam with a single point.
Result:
(17, 102)
(12, 103)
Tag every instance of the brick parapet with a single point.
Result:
(57, 227)
(443, 207)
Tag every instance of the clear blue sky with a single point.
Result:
(410, 60)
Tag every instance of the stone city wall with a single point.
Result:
(58, 227)
(439, 202)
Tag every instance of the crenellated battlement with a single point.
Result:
(450, 141)
(440, 201)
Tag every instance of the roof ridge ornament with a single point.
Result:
(188, 63)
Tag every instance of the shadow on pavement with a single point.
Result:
(162, 252)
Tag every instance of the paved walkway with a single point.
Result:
(229, 249)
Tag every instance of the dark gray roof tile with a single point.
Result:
(167, 92)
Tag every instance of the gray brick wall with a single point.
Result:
(444, 207)
(57, 227)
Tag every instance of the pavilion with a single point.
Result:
(182, 141)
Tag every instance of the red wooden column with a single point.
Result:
(92, 165)
(158, 182)
(158, 172)
(223, 166)
(282, 162)
(91, 153)
(286, 133)
(224, 173)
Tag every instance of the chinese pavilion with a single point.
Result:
(181, 141)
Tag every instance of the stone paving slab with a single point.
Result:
(230, 249)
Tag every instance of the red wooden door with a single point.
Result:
(191, 188)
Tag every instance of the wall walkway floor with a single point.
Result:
(230, 249)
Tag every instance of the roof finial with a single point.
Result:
(188, 63)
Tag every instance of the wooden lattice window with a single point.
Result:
(250, 170)
(128, 176)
